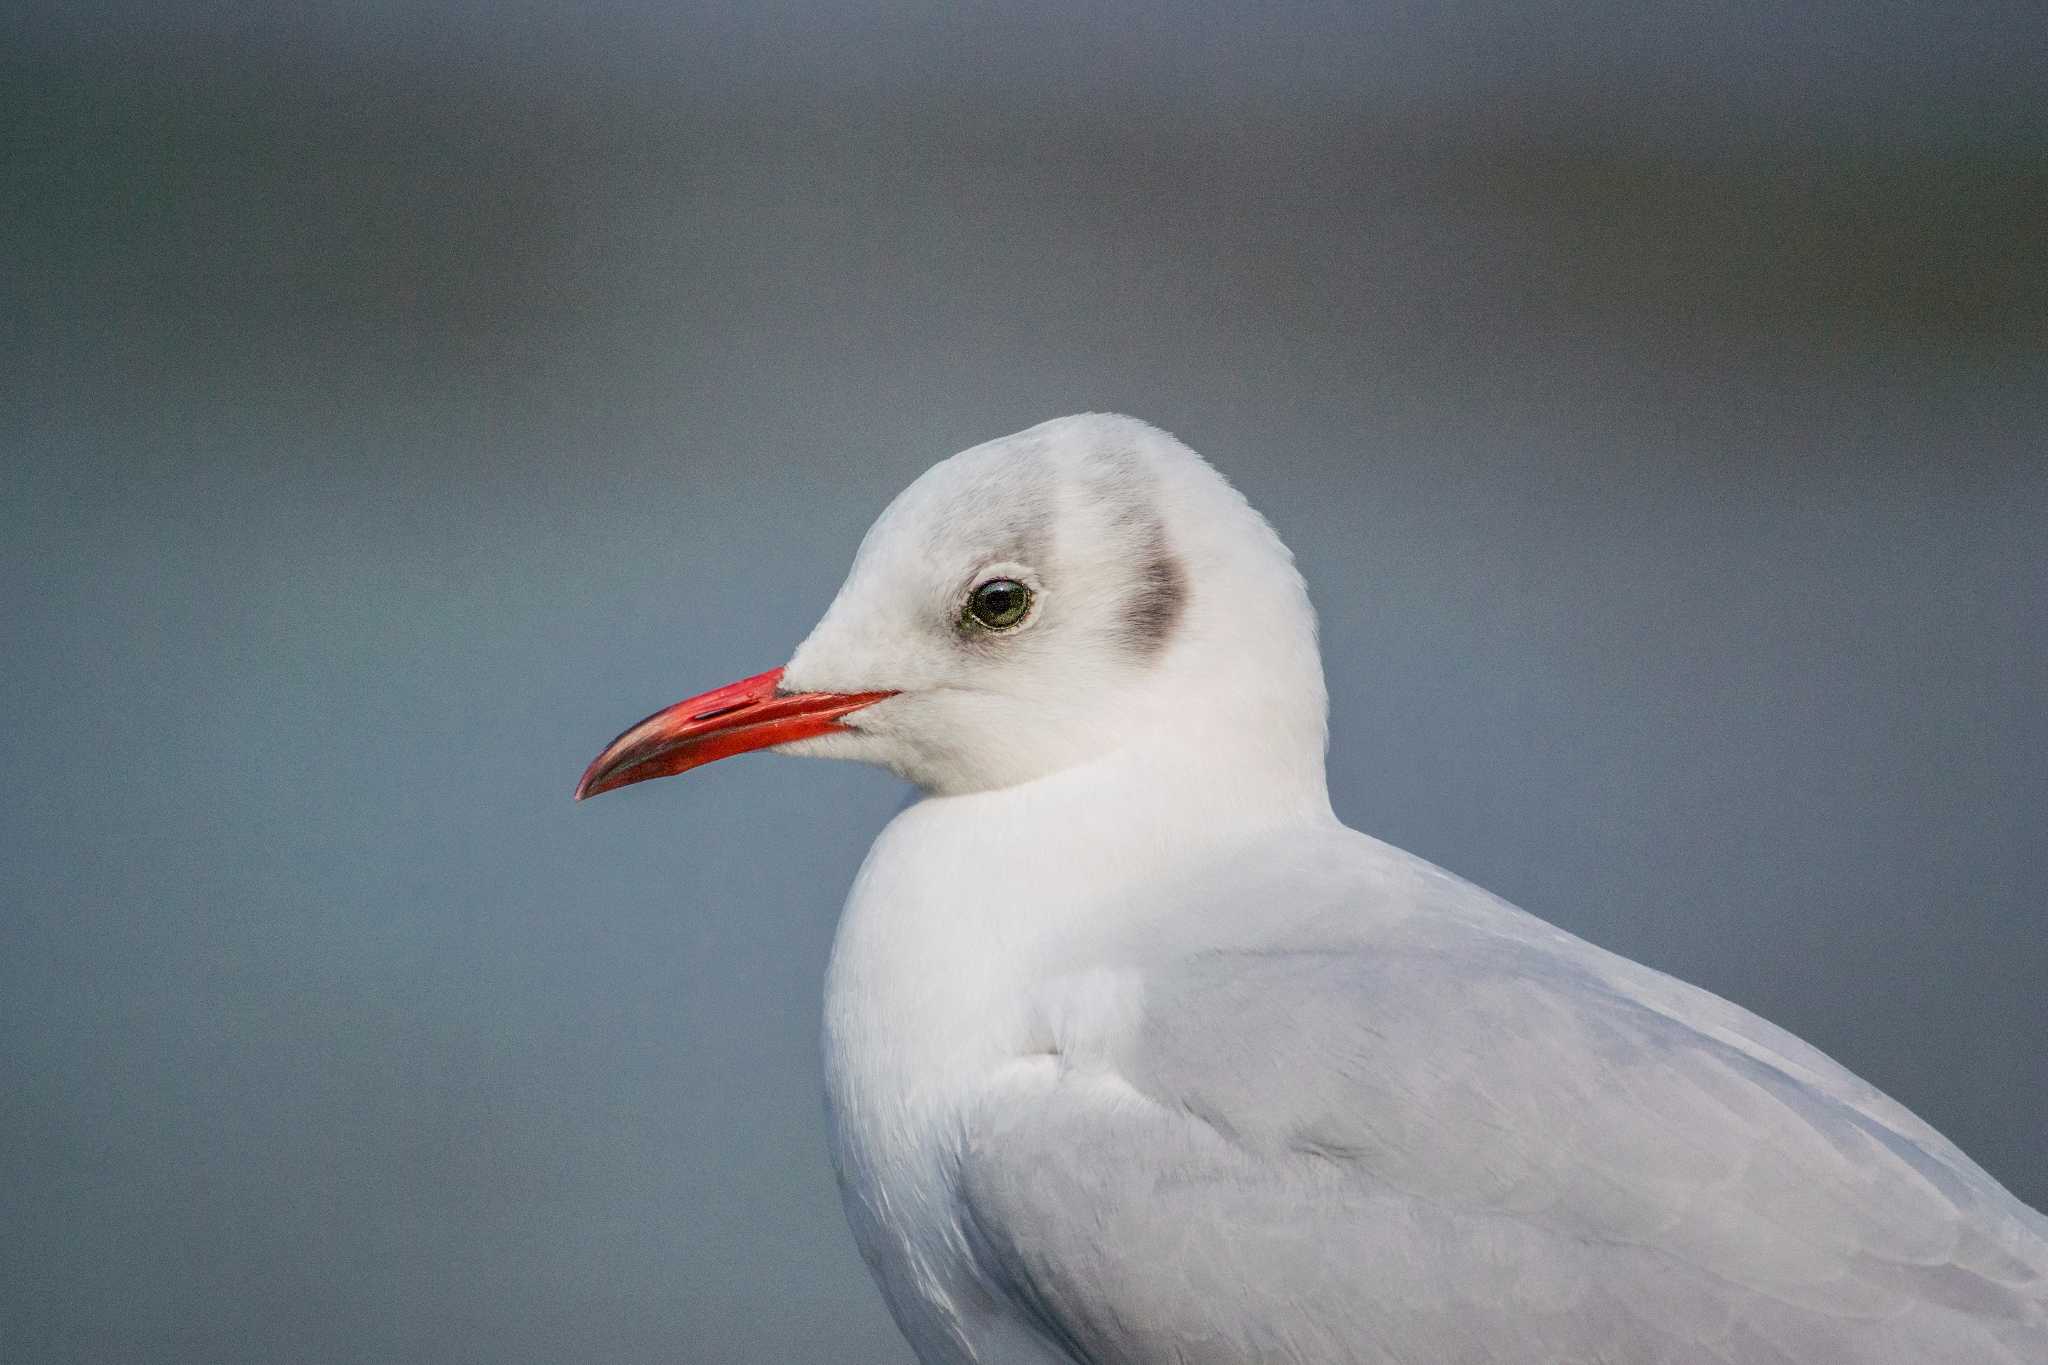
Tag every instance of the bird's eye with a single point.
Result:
(999, 603)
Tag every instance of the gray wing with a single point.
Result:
(1423, 1127)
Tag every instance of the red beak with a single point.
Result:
(752, 713)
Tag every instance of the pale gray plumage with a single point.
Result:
(1410, 1123)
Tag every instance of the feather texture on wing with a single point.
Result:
(1405, 1122)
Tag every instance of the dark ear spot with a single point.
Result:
(1158, 602)
(1115, 479)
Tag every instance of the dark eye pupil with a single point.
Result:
(1000, 602)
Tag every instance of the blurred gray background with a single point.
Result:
(400, 398)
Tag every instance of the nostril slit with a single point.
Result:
(715, 712)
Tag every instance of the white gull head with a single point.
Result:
(1085, 587)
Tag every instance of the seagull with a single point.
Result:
(1136, 1055)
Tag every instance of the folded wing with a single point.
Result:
(1414, 1125)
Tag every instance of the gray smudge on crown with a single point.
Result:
(1030, 501)
(1020, 491)
(1118, 482)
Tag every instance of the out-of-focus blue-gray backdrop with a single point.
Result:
(399, 398)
